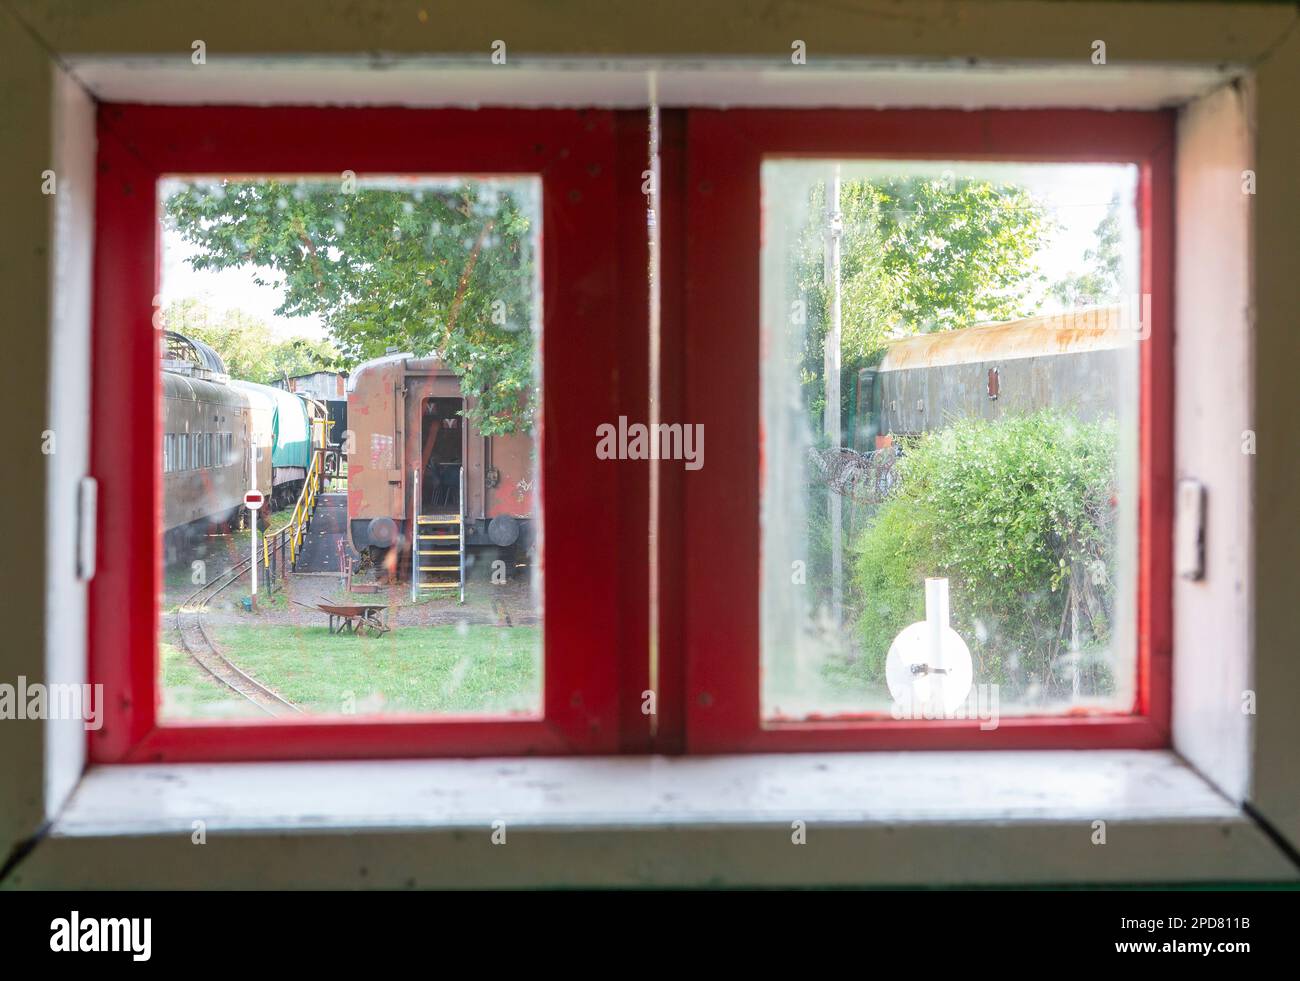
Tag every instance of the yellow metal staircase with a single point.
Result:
(438, 545)
(440, 552)
(305, 509)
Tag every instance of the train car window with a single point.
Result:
(955, 389)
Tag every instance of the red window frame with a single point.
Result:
(719, 331)
(594, 336)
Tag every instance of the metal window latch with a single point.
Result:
(1189, 530)
(87, 511)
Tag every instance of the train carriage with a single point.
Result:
(205, 462)
(409, 435)
(286, 432)
(216, 430)
(1075, 360)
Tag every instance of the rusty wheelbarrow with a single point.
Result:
(371, 618)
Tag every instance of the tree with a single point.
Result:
(247, 345)
(1101, 283)
(441, 270)
(917, 255)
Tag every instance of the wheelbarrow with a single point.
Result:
(369, 618)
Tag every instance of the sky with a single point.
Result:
(1077, 195)
(228, 289)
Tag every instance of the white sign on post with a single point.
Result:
(928, 668)
(253, 500)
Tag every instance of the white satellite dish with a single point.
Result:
(928, 668)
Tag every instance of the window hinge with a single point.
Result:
(1189, 530)
(87, 508)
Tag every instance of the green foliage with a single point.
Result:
(916, 255)
(1101, 283)
(1018, 515)
(892, 558)
(437, 270)
(247, 345)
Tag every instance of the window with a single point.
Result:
(442, 489)
(498, 179)
(855, 343)
(890, 290)
(771, 530)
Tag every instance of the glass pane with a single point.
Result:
(363, 354)
(950, 433)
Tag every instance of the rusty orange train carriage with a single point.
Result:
(410, 448)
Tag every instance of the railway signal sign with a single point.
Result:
(253, 500)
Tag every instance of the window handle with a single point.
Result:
(87, 511)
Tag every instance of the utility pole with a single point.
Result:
(831, 372)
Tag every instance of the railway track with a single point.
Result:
(205, 653)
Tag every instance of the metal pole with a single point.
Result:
(253, 541)
(462, 531)
(831, 420)
(936, 617)
(253, 570)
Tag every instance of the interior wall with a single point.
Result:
(937, 30)
(35, 35)
(25, 134)
(72, 240)
(1212, 395)
(1276, 791)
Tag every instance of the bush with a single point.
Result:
(1018, 514)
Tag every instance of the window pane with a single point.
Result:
(949, 395)
(366, 354)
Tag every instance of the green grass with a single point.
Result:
(442, 669)
(186, 685)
